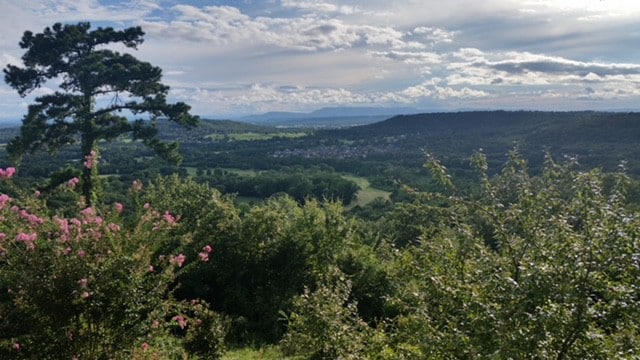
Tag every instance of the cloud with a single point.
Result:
(523, 62)
(6, 59)
(94, 10)
(224, 25)
(435, 35)
(475, 67)
(319, 7)
(428, 90)
(410, 57)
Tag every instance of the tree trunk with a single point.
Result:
(89, 172)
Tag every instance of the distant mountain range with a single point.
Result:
(328, 117)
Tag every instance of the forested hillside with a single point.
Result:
(598, 139)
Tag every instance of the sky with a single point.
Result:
(233, 58)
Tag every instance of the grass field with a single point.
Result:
(250, 136)
(367, 193)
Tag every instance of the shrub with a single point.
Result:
(324, 324)
(90, 287)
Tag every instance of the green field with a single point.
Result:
(251, 136)
(367, 193)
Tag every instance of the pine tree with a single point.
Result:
(88, 73)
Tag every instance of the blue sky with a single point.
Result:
(232, 58)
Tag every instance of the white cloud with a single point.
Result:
(6, 59)
(93, 10)
(435, 35)
(224, 25)
(428, 89)
(410, 57)
(319, 6)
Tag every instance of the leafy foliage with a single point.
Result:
(91, 286)
(89, 72)
(324, 324)
(533, 267)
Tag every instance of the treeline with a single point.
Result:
(298, 183)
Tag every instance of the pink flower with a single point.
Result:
(83, 283)
(7, 173)
(119, 207)
(177, 260)
(16, 346)
(182, 322)
(204, 256)
(113, 227)
(85, 295)
(3, 236)
(91, 159)
(82, 254)
(145, 346)
(146, 206)
(87, 212)
(28, 239)
(4, 200)
(73, 182)
(63, 224)
(33, 219)
(170, 219)
(37, 194)
(150, 269)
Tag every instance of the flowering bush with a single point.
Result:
(90, 287)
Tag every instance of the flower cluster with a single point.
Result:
(29, 240)
(73, 182)
(204, 254)
(119, 208)
(182, 322)
(91, 160)
(75, 262)
(7, 173)
(177, 260)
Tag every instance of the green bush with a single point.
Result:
(90, 287)
(531, 267)
(325, 324)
